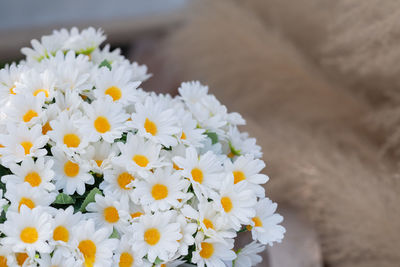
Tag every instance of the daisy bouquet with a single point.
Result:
(97, 172)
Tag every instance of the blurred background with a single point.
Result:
(317, 81)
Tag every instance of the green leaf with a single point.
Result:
(64, 199)
(115, 234)
(213, 136)
(89, 198)
(158, 261)
(105, 63)
(234, 151)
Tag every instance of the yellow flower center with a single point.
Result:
(226, 204)
(30, 114)
(45, 91)
(126, 260)
(27, 146)
(207, 250)
(124, 179)
(3, 261)
(61, 234)
(33, 178)
(152, 236)
(257, 222)
(150, 127)
(208, 223)
(140, 160)
(136, 214)
(88, 249)
(21, 258)
(29, 235)
(114, 92)
(12, 90)
(197, 175)
(98, 162)
(238, 176)
(183, 136)
(102, 125)
(27, 202)
(111, 214)
(159, 191)
(46, 127)
(71, 169)
(72, 140)
(176, 166)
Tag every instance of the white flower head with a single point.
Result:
(155, 122)
(21, 142)
(37, 173)
(265, 224)
(71, 175)
(156, 235)
(162, 189)
(28, 230)
(104, 119)
(139, 155)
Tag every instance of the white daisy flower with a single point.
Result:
(51, 113)
(67, 135)
(204, 171)
(139, 155)
(212, 253)
(49, 44)
(25, 109)
(72, 71)
(240, 144)
(246, 169)
(7, 257)
(126, 256)
(117, 182)
(192, 92)
(115, 83)
(59, 258)
(95, 245)
(99, 155)
(210, 220)
(156, 235)
(21, 142)
(136, 211)
(71, 176)
(155, 122)
(265, 224)
(64, 221)
(69, 101)
(35, 83)
(99, 55)
(187, 230)
(37, 173)
(190, 135)
(104, 119)
(84, 42)
(25, 195)
(162, 189)
(28, 230)
(108, 212)
(139, 72)
(248, 256)
(9, 76)
(236, 203)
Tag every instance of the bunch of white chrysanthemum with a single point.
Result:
(97, 172)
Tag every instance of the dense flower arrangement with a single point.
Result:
(97, 172)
